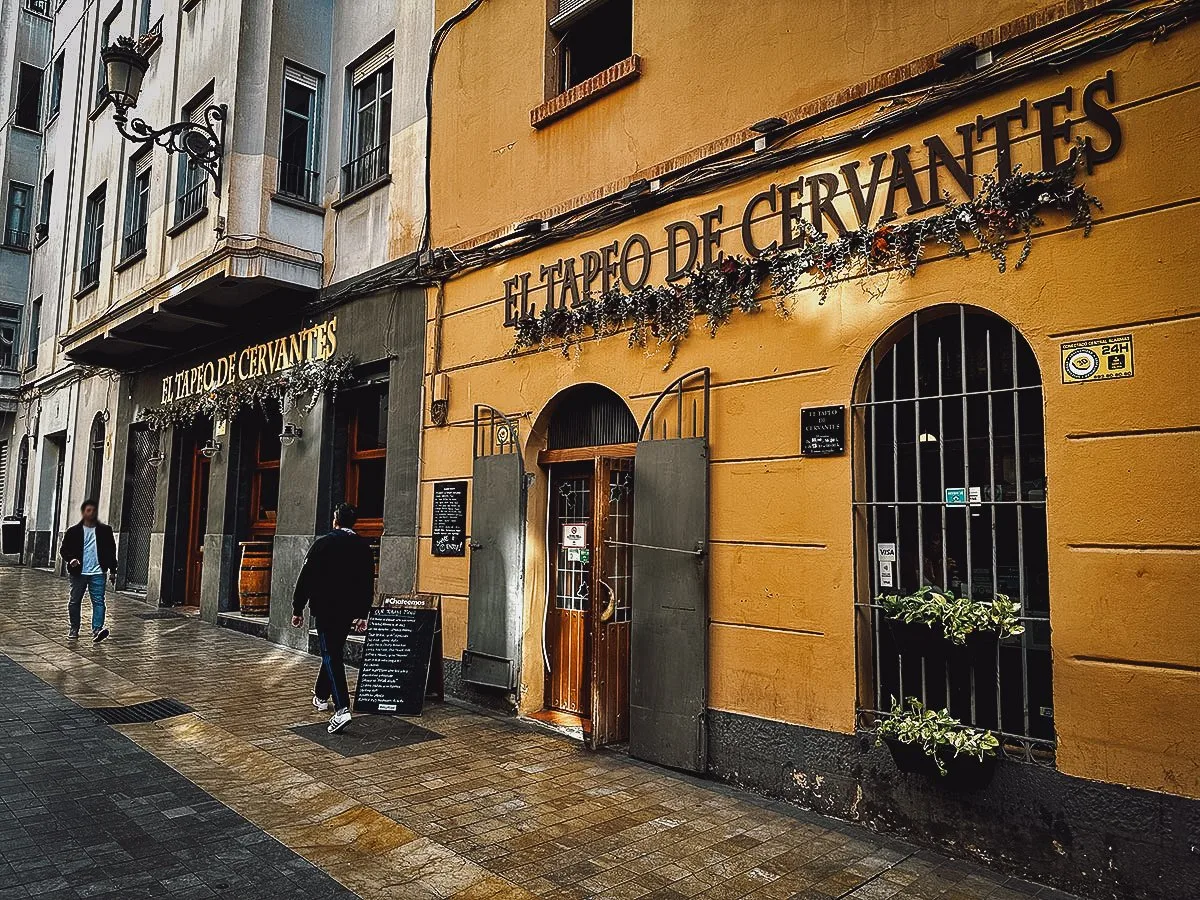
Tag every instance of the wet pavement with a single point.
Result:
(241, 796)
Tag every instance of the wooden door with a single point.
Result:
(568, 618)
(197, 525)
(612, 601)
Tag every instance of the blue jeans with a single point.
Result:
(332, 680)
(94, 585)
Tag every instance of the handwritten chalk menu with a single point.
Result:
(822, 430)
(449, 518)
(395, 665)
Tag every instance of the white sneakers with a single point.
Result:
(339, 720)
(320, 704)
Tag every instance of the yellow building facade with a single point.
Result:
(859, 432)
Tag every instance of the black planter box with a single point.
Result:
(962, 772)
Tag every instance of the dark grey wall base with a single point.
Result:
(37, 549)
(1096, 839)
(243, 624)
(499, 701)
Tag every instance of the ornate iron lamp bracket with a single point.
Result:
(203, 142)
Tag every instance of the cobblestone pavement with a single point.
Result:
(481, 809)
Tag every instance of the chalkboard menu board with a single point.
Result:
(822, 430)
(449, 518)
(394, 673)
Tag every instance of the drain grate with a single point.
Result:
(159, 614)
(150, 711)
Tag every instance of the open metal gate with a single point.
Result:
(496, 595)
(137, 517)
(668, 691)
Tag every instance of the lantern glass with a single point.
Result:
(124, 69)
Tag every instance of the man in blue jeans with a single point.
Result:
(90, 552)
(337, 584)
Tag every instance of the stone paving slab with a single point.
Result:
(489, 809)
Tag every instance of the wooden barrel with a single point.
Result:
(254, 580)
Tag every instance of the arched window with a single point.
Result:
(22, 477)
(950, 492)
(95, 465)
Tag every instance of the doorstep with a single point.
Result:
(255, 626)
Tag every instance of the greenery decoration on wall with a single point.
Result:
(958, 616)
(936, 732)
(297, 388)
(664, 314)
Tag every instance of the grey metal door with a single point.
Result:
(668, 690)
(497, 542)
(137, 519)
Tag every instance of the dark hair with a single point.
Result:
(346, 515)
(88, 502)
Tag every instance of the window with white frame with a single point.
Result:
(191, 180)
(16, 217)
(29, 98)
(587, 37)
(42, 229)
(137, 206)
(299, 173)
(105, 39)
(35, 332)
(370, 120)
(10, 327)
(92, 239)
(56, 83)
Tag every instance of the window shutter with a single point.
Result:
(142, 164)
(299, 76)
(570, 10)
(373, 64)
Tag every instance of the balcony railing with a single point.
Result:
(16, 238)
(89, 274)
(298, 182)
(369, 167)
(134, 243)
(192, 203)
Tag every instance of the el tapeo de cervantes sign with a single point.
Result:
(317, 342)
(893, 175)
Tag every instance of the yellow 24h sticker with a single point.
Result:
(1097, 359)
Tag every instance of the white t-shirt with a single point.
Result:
(91, 561)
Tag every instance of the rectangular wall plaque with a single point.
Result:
(450, 518)
(822, 430)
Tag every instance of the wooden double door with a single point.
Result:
(591, 594)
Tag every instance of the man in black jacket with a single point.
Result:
(90, 552)
(337, 583)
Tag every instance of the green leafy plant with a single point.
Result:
(958, 616)
(936, 732)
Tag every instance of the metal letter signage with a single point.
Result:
(1098, 359)
(822, 430)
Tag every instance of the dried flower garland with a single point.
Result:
(665, 314)
(299, 387)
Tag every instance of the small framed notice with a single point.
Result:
(822, 430)
(449, 518)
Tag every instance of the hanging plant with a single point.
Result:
(935, 732)
(957, 616)
(299, 388)
(664, 314)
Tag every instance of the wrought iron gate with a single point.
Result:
(497, 569)
(137, 518)
(951, 493)
(668, 691)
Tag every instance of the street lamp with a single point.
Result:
(202, 142)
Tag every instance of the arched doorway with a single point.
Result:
(950, 492)
(591, 439)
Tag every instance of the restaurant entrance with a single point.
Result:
(591, 442)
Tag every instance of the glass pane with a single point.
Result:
(370, 488)
(268, 495)
(371, 420)
(297, 98)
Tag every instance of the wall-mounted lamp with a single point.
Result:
(290, 434)
(766, 128)
(211, 449)
(203, 142)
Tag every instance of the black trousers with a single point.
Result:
(332, 680)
